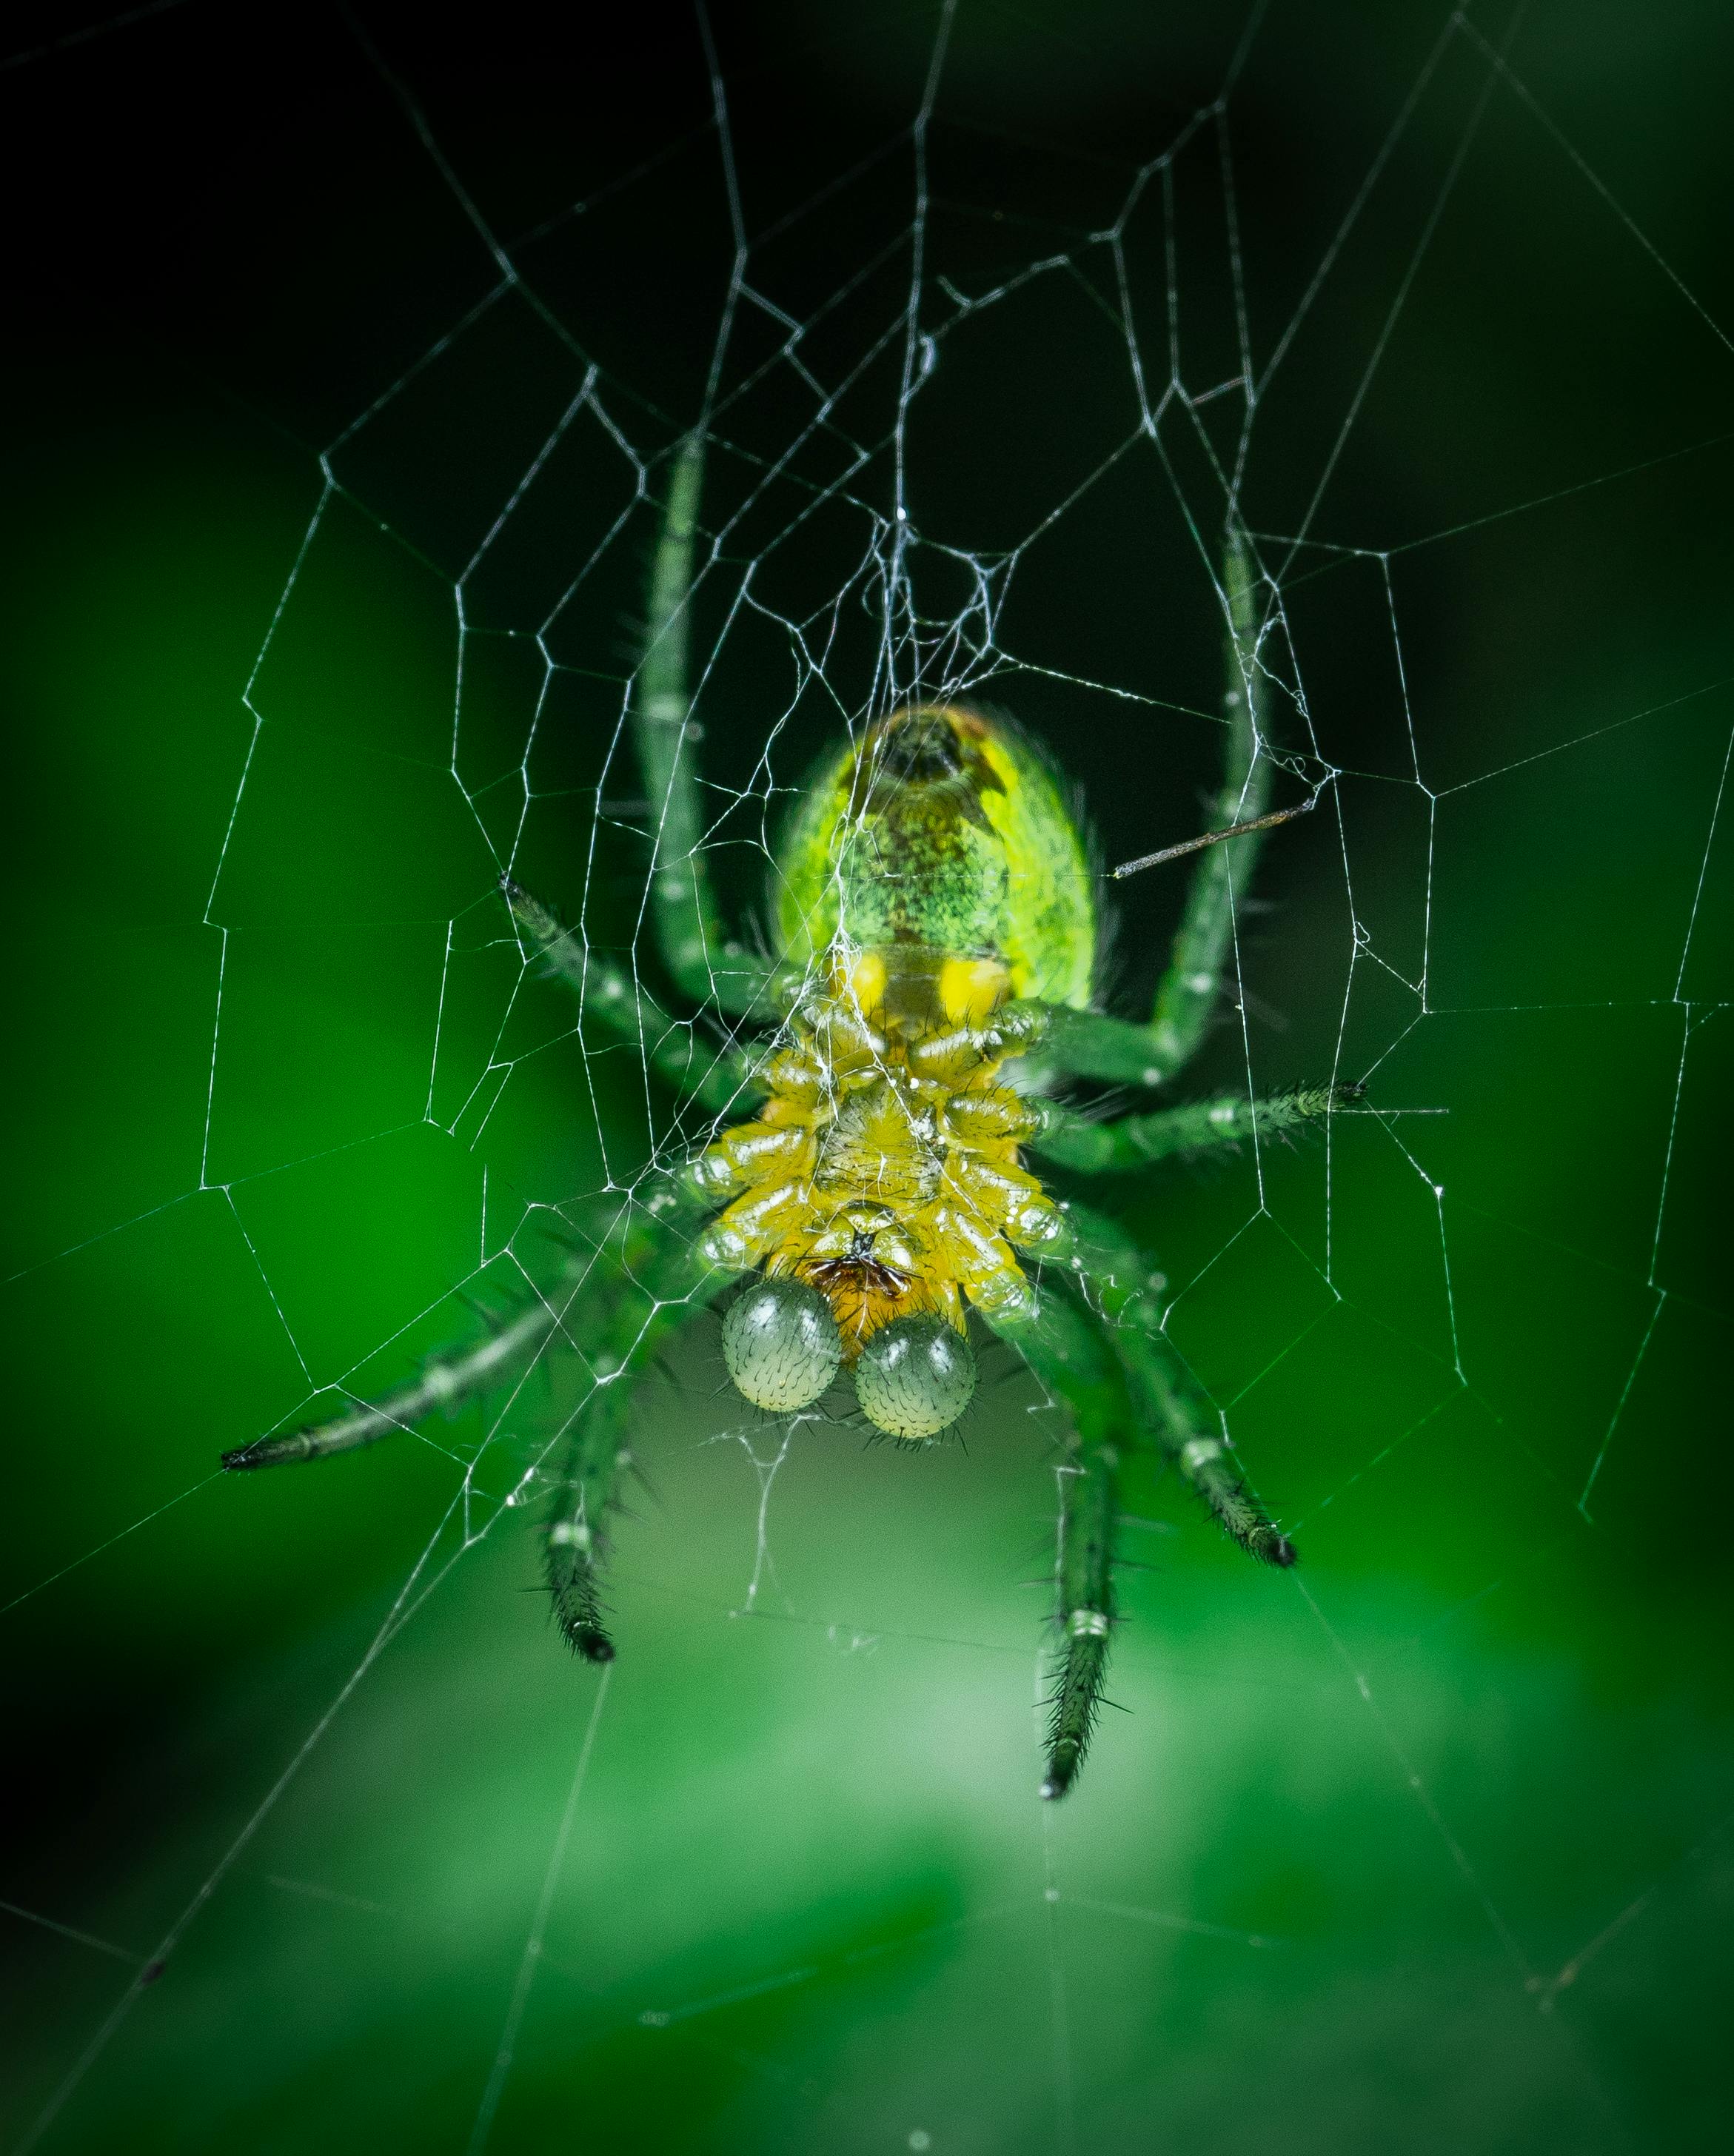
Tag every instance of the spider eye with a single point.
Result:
(915, 1377)
(781, 1344)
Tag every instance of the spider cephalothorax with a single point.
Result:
(931, 981)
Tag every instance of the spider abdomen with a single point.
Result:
(943, 829)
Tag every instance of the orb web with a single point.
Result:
(979, 398)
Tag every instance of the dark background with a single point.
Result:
(1422, 1847)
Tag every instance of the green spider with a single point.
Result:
(937, 947)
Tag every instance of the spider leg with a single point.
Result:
(706, 963)
(444, 1386)
(716, 1077)
(1065, 1346)
(1186, 996)
(1090, 1044)
(1168, 1402)
(1091, 1148)
(450, 1381)
(661, 1284)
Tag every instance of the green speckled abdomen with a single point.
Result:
(945, 831)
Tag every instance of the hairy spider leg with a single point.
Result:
(447, 1384)
(719, 1078)
(651, 1282)
(1187, 1428)
(1068, 1352)
(667, 1281)
(706, 963)
(1186, 996)
(1129, 1142)
(1091, 1045)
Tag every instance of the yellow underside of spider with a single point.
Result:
(884, 1169)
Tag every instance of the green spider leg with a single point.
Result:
(1067, 1350)
(1186, 996)
(638, 1282)
(446, 1384)
(715, 1076)
(1091, 1148)
(656, 1285)
(1167, 1400)
(706, 963)
(1109, 1364)
(1091, 1045)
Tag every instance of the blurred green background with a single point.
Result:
(1422, 1847)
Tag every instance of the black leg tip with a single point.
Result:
(592, 1647)
(244, 1456)
(1271, 1547)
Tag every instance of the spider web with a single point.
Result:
(1440, 1816)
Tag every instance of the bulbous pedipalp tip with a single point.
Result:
(915, 1377)
(781, 1343)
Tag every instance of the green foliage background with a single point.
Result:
(1424, 1847)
